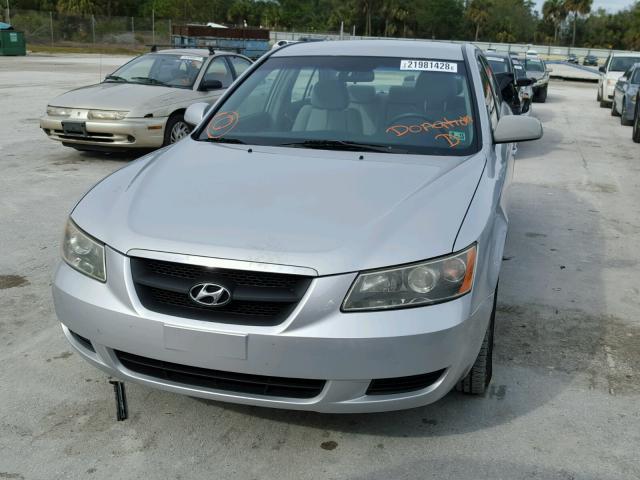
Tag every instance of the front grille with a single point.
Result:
(217, 380)
(389, 386)
(257, 298)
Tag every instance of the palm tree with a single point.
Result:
(478, 13)
(577, 7)
(556, 12)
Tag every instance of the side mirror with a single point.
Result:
(524, 82)
(515, 128)
(207, 85)
(195, 113)
(602, 69)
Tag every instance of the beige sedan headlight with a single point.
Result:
(58, 111)
(106, 115)
(83, 252)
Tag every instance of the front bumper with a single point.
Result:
(126, 133)
(316, 341)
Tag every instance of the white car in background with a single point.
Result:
(614, 66)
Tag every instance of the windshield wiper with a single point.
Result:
(152, 81)
(226, 140)
(339, 145)
(115, 78)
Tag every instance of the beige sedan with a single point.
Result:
(142, 104)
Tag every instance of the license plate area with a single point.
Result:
(74, 128)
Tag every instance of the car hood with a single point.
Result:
(536, 75)
(122, 96)
(614, 75)
(324, 210)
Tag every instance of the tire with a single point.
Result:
(623, 116)
(614, 112)
(599, 96)
(636, 125)
(542, 95)
(479, 377)
(176, 129)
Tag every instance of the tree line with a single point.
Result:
(560, 22)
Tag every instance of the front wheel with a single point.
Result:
(541, 96)
(479, 377)
(614, 111)
(636, 125)
(599, 96)
(623, 116)
(176, 129)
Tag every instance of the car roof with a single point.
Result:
(201, 52)
(498, 54)
(625, 54)
(375, 48)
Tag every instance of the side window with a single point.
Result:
(219, 70)
(239, 64)
(490, 98)
(302, 87)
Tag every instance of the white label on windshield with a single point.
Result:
(518, 67)
(189, 57)
(429, 66)
(495, 59)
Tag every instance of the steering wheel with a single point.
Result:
(408, 115)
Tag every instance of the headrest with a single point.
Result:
(402, 94)
(437, 84)
(362, 93)
(330, 95)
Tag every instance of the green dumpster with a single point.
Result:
(12, 43)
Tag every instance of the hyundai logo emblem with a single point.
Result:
(210, 294)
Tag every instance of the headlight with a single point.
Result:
(423, 283)
(83, 252)
(58, 111)
(106, 115)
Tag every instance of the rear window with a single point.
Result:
(498, 64)
(394, 105)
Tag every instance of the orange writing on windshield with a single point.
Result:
(424, 127)
(452, 140)
(222, 123)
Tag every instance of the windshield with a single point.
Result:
(160, 69)
(498, 65)
(519, 69)
(621, 64)
(534, 65)
(382, 104)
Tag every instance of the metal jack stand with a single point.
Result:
(122, 412)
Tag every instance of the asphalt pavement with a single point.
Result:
(563, 404)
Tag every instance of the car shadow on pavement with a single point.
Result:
(549, 329)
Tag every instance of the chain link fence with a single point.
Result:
(56, 29)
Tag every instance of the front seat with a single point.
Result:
(329, 110)
(441, 92)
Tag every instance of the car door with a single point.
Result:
(218, 69)
(502, 158)
(621, 88)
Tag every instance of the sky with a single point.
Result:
(609, 5)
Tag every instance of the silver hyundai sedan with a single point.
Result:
(328, 238)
